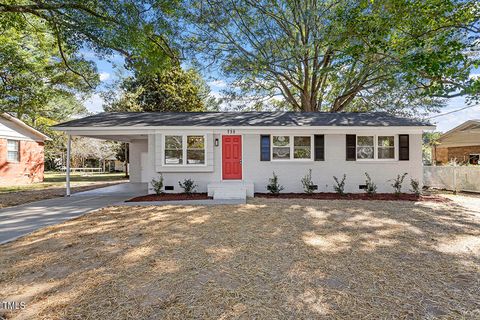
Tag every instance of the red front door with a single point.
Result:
(232, 157)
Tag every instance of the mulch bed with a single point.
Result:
(170, 197)
(355, 196)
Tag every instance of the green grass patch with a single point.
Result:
(84, 177)
(57, 180)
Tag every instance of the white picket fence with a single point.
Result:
(455, 178)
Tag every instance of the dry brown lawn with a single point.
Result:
(15, 198)
(268, 259)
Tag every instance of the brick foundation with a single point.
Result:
(460, 154)
(30, 167)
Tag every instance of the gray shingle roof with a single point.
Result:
(235, 119)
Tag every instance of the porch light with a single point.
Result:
(216, 142)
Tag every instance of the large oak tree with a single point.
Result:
(337, 55)
(139, 30)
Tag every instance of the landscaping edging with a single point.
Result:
(354, 196)
(170, 197)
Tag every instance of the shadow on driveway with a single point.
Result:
(20, 220)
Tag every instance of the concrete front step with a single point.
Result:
(230, 190)
(223, 194)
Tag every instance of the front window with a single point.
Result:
(281, 147)
(386, 147)
(375, 147)
(474, 159)
(302, 147)
(291, 147)
(365, 147)
(173, 150)
(13, 147)
(195, 150)
(184, 150)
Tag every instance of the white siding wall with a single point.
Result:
(136, 147)
(202, 175)
(289, 172)
(10, 130)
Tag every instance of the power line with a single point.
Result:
(453, 111)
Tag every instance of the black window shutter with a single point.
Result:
(319, 143)
(403, 147)
(351, 147)
(265, 147)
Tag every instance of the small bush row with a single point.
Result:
(188, 185)
(309, 187)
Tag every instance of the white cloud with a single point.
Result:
(216, 94)
(104, 76)
(474, 76)
(94, 103)
(217, 84)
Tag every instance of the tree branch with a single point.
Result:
(65, 61)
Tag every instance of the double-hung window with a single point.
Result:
(291, 147)
(365, 147)
(474, 159)
(386, 147)
(375, 147)
(13, 150)
(195, 150)
(184, 150)
(174, 150)
(302, 147)
(281, 147)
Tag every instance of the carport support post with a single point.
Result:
(69, 145)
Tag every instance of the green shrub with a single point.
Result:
(274, 187)
(371, 187)
(415, 186)
(397, 183)
(158, 184)
(307, 183)
(188, 186)
(340, 185)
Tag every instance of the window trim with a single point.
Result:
(376, 147)
(184, 150)
(17, 151)
(292, 147)
(470, 156)
(394, 147)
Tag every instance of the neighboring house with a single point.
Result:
(461, 144)
(21, 152)
(227, 153)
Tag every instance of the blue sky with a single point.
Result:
(109, 70)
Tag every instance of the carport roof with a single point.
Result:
(241, 119)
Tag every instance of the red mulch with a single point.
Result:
(354, 196)
(170, 197)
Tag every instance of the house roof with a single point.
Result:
(241, 119)
(467, 126)
(25, 126)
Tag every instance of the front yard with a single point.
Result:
(54, 186)
(267, 259)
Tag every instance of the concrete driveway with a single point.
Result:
(23, 219)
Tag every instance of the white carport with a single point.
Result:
(136, 139)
